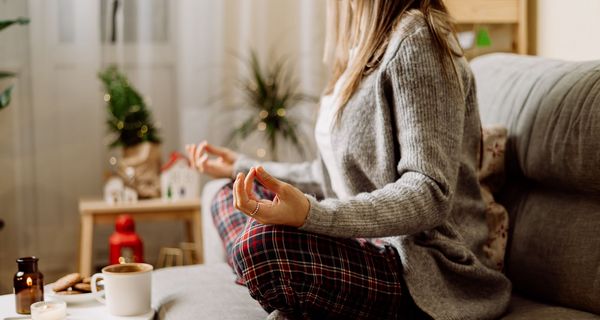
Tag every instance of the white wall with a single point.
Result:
(568, 29)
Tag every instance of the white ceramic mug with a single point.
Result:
(127, 288)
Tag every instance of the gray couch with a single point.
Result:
(552, 112)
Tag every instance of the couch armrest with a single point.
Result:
(213, 246)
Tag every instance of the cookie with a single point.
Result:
(69, 292)
(87, 280)
(84, 287)
(67, 281)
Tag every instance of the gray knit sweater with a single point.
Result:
(407, 147)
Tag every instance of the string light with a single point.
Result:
(106, 97)
(281, 112)
(130, 172)
(263, 114)
(260, 152)
(262, 126)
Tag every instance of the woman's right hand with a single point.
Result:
(219, 167)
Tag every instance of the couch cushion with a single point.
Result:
(202, 292)
(564, 146)
(554, 249)
(524, 309)
(552, 112)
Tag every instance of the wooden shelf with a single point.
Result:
(484, 11)
(512, 12)
(149, 205)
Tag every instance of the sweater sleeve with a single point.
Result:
(306, 176)
(428, 111)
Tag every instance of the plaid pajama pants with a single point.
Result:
(310, 276)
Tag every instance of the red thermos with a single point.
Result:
(125, 244)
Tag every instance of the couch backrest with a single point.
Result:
(552, 112)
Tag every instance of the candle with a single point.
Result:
(49, 310)
(28, 284)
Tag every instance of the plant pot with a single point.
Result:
(140, 169)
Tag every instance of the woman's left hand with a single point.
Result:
(289, 207)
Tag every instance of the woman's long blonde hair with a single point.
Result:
(365, 27)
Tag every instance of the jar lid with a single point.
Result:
(32, 259)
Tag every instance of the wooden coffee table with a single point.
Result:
(88, 311)
(100, 212)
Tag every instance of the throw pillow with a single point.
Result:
(491, 178)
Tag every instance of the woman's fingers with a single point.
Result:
(291, 209)
(218, 151)
(205, 147)
(202, 163)
(268, 181)
(240, 197)
(236, 196)
(247, 205)
(249, 184)
(191, 150)
(199, 154)
(200, 149)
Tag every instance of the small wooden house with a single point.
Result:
(178, 180)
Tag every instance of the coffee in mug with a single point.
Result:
(127, 288)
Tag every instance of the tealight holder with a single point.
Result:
(49, 310)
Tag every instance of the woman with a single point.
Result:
(398, 136)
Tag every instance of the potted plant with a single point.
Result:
(270, 92)
(130, 122)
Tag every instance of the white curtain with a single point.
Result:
(274, 28)
(179, 54)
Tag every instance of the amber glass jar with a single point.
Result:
(28, 284)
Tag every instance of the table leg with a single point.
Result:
(86, 245)
(189, 227)
(197, 234)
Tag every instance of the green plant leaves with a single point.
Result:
(5, 97)
(7, 23)
(4, 74)
(129, 119)
(271, 92)
(5, 94)
(244, 130)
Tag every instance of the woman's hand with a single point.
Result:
(289, 207)
(219, 167)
